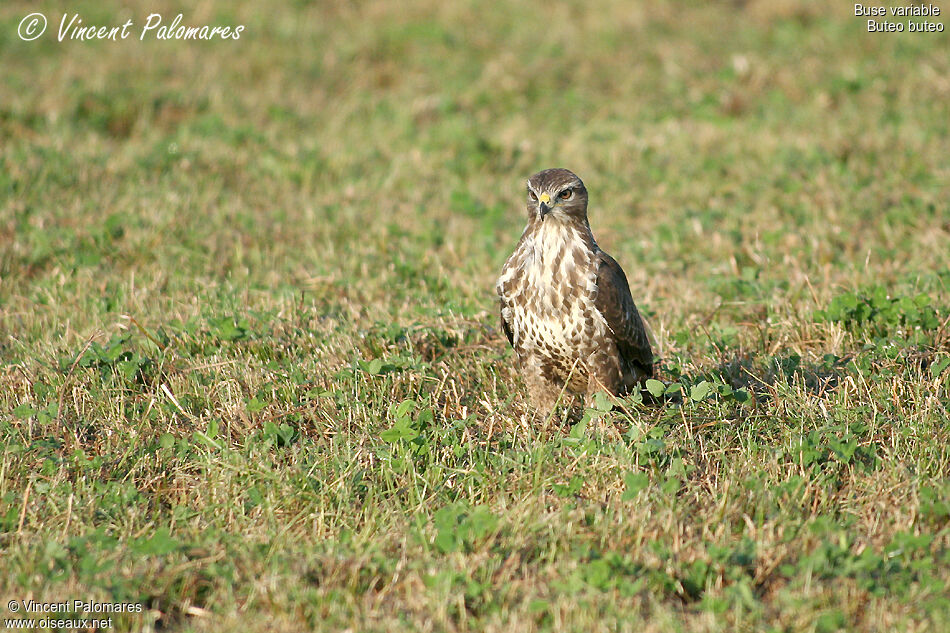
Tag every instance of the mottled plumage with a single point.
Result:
(565, 304)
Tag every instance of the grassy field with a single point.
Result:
(252, 374)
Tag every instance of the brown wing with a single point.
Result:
(615, 303)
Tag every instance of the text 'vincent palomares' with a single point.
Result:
(72, 28)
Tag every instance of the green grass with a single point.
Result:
(251, 372)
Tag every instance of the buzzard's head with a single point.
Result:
(557, 194)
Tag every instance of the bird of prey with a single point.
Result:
(565, 304)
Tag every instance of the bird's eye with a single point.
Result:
(567, 194)
(533, 197)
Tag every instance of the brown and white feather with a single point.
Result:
(566, 306)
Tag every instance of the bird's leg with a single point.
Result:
(542, 392)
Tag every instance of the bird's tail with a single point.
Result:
(654, 342)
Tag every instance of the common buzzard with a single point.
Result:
(565, 304)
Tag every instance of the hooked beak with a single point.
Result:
(543, 206)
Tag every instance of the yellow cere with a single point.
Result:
(545, 198)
